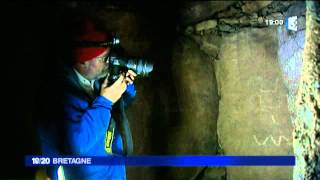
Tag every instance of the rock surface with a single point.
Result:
(253, 110)
(193, 12)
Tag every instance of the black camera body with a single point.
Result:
(118, 65)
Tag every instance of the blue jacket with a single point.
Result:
(79, 126)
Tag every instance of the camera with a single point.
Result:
(118, 64)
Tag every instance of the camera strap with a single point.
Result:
(119, 120)
(109, 136)
(125, 129)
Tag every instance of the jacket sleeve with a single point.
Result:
(86, 124)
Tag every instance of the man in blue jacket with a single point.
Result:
(82, 123)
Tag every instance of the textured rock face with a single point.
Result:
(253, 6)
(290, 60)
(194, 132)
(193, 12)
(306, 125)
(253, 112)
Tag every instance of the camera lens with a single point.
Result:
(140, 66)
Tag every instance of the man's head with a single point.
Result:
(91, 62)
(94, 68)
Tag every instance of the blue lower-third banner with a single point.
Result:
(161, 160)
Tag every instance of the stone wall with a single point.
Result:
(257, 69)
(253, 110)
(194, 131)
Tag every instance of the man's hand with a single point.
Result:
(115, 91)
(130, 75)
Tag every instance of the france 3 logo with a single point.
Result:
(291, 23)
